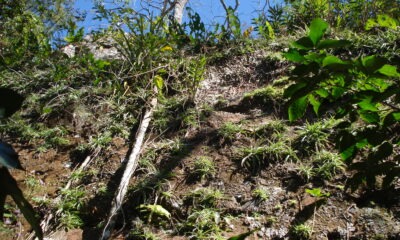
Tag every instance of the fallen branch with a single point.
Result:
(129, 170)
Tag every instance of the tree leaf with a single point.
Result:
(297, 108)
(293, 89)
(369, 117)
(368, 104)
(8, 157)
(385, 20)
(322, 92)
(330, 43)
(159, 82)
(304, 43)
(294, 56)
(389, 71)
(156, 209)
(373, 63)
(318, 28)
(332, 60)
(315, 103)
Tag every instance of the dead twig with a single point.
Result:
(129, 170)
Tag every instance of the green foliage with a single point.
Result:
(352, 14)
(204, 167)
(70, 206)
(318, 193)
(362, 91)
(301, 231)
(260, 194)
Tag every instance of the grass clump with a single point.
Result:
(328, 164)
(204, 197)
(203, 224)
(204, 167)
(314, 136)
(230, 131)
(301, 232)
(256, 158)
(272, 129)
(70, 206)
(260, 194)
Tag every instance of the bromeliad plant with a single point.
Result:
(10, 102)
(364, 94)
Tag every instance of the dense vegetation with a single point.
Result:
(321, 101)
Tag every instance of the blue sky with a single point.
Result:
(209, 10)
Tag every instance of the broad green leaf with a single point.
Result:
(318, 28)
(348, 153)
(346, 143)
(317, 192)
(8, 157)
(332, 60)
(156, 209)
(330, 43)
(304, 43)
(294, 56)
(159, 82)
(293, 89)
(373, 63)
(385, 20)
(389, 70)
(298, 108)
(315, 103)
(316, 57)
(362, 143)
(370, 117)
(322, 92)
(305, 69)
(367, 104)
(271, 34)
(371, 23)
(338, 92)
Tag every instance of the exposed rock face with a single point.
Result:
(103, 48)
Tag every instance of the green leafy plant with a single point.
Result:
(301, 231)
(260, 194)
(204, 167)
(362, 91)
(318, 193)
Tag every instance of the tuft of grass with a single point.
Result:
(328, 164)
(230, 131)
(204, 167)
(203, 224)
(301, 231)
(315, 136)
(255, 158)
(306, 172)
(272, 129)
(260, 194)
(70, 206)
(204, 197)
